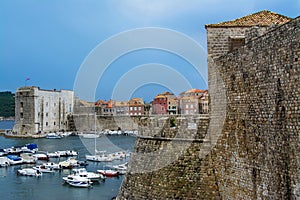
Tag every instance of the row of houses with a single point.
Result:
(193, 101)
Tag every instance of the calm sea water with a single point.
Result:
(49, 186)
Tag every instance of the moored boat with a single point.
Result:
(68, 164)
(28, 158)
(41, 156)
(82, 172)
(14, 160)
(53, 136)
(51, 165)
(4, 162)
(44, 169)
(77, 181)
(29, 172)
(108, 172)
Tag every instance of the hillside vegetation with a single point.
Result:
(7, 104)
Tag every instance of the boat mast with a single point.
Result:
(95, 131)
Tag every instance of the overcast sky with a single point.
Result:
(48, 41)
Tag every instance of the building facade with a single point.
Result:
(136, 107)
(42, 111)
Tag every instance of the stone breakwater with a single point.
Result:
(257, 153)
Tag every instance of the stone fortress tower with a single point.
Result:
(42, 111)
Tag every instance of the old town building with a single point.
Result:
(42, 111)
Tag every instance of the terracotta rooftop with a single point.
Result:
(262, 18)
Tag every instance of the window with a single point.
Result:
(54, 104)
(46, 104)
(21, 104)
(54, 123)
(235, 43)
(46, 123)
(21, 115)
(192, 106)
(130, 108)
(135, 108)
(186, 106)
(140, 108)
(46, 114)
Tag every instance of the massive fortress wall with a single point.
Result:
(257, 153)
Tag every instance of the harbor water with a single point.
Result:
(50, 186)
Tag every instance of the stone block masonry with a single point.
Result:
(252, 144)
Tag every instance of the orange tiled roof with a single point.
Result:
(262, 18)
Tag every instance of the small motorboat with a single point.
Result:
(108, 172)
(29, 172)
(53, 136)
(51, 165)
(29, 148)
(15, 160)
(43, 169)
(122, 169)
(82, 172)
(28, 158)
(67, 153)
(41, 156)
(69, 164)
(4, 162)
(53, 155)
(77, 181)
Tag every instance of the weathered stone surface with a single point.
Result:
(255, 105)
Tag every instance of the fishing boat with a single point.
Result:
(77, 181)
(29, 172)
(14, 160)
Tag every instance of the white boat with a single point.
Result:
(4, 162)
(68, 164)
(77, 181)
(67, 153)
(29, 148)
(29, 172)
(14, 160)
(43, 169)
(53, 136)
(41, 156)
(90, 175)
(51, 165)
(53, 155)
(28, 158)
(122, 169)
(99, 158)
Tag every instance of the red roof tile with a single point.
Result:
(262, 18)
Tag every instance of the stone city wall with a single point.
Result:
(255, 156)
